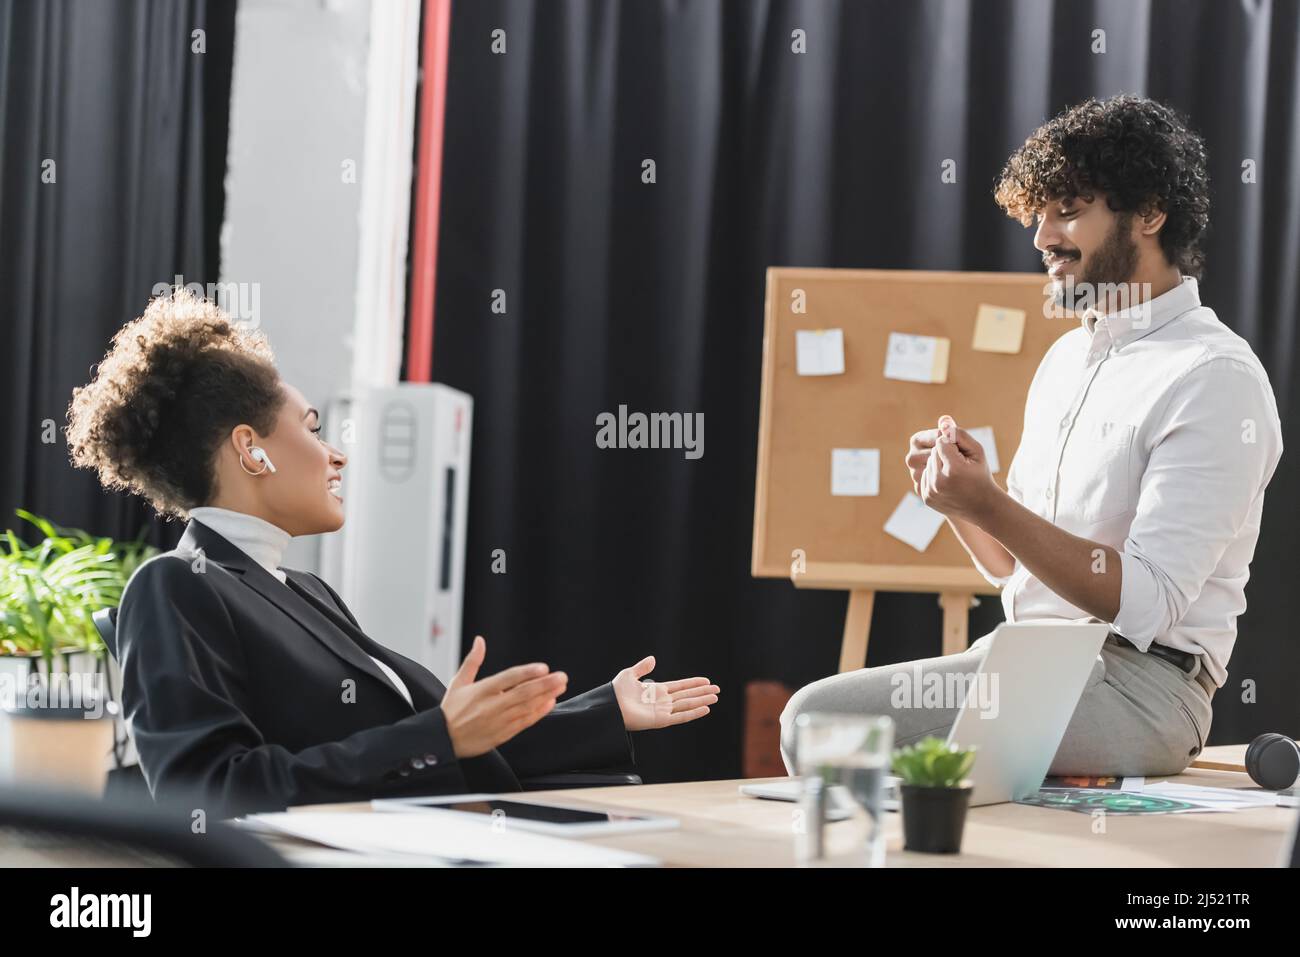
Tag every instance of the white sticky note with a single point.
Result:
(914, 522)
(998, 329)
(855, 471)
(819, 351)
(984, 436)
(916, 358)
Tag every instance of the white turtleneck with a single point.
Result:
(265, 543)
(257, 538)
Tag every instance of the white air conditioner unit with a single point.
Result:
(400, 557)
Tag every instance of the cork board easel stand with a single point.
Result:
(818, 540)
(956, 597)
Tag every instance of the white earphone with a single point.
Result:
(259, 455)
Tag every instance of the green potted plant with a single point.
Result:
(935, 794)
(53, 667)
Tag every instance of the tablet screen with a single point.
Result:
(533, 812)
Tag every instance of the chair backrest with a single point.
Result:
(106, 622)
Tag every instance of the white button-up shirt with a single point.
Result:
(1153, 430)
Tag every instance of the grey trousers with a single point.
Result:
(1138, 714)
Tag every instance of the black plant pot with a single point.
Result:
(933, 818)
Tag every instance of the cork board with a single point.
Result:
(802, 418)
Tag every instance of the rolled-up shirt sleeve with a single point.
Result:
(997, 580)
(1217, 445)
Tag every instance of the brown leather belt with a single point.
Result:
(1185, 661)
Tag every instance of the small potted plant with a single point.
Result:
(935, 794)
(53, 667)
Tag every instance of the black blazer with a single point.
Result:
(259, 695)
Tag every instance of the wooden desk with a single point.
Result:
(720, 827)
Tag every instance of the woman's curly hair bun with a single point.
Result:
(173, 385)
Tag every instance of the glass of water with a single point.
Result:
(843, 760)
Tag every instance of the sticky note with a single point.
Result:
(819, 351)
(855, 471)
(984, 436)
(998, 329)
(914, 522)
(916, 358)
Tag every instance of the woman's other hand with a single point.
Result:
(654, 704)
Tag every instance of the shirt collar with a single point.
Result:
(1127, 325)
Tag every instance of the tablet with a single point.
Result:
(508, 811)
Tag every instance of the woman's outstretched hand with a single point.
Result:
(655, 704)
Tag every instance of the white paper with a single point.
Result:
(855, 471)
(819, 351)
(916, 358)
(442, 836)
(1227, 798)
(984, 436)
(914, 522)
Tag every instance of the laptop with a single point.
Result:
(1015, 715)
(1020, 703)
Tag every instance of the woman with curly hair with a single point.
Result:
(252, 685)
(1150, 435)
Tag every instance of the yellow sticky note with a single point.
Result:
(998, 329)
(939, 371)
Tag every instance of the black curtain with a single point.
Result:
(618, 292)
(114, 117)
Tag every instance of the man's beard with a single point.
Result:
(1111, 264)
(1116, 258)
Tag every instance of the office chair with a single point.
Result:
(41, 827)
(106, 624)
(129, 780)
(122, 781)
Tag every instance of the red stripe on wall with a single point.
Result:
(428, 189)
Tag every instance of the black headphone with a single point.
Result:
(1273, 761)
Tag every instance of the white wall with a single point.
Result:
(298, 109)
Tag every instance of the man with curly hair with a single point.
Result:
(1150, 434)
